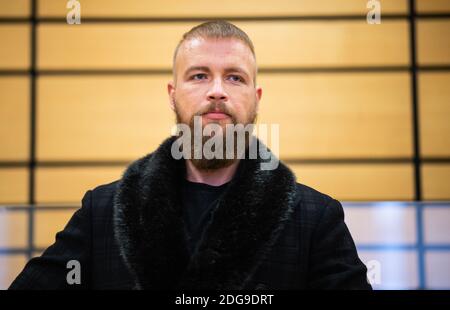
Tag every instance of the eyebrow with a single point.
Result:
(196, 68)
(205, 68)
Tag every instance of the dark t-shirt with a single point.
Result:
(198, 200)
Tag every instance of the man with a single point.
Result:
(198, 222)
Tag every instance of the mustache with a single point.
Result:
(216, 107)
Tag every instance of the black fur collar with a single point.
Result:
(149, 226)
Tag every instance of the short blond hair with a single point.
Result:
(215, 29)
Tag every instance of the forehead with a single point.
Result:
(212, 52)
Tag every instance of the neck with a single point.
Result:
(214, 177)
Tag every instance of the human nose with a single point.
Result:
(217, 92)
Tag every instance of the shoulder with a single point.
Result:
(105, 190)
(101, 198)
(307, 194)
(315, 206)
(102, 192)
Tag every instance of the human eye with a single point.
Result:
(198, 76)
(236, 78)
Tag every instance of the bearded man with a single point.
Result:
(205, 222)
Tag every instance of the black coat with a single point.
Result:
(267, 231)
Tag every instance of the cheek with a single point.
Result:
(245, 104)
(189, 106)
(190, 98)
(184, 102)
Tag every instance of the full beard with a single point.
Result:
(216, 163)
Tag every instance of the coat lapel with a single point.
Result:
(247, 221)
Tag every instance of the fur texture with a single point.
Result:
(149, 226)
